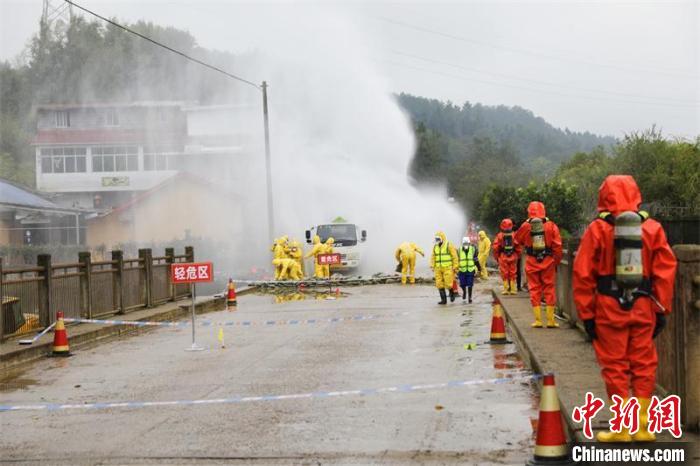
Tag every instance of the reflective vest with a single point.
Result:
(443, 258)
(466, 260)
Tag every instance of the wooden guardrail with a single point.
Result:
(31, 295)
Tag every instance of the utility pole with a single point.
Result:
(268, 168)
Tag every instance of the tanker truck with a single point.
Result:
(347, 238)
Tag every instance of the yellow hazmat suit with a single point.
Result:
(297, 253)
(444, 262)
(406, 255)
(484, 250)
(289, 268)
(317, 249)
(327, 249)
(278, 252)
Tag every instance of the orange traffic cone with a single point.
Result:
(550, 446)
(60, 337)
(498, 324)
(231, 298)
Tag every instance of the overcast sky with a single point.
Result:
(606, 67)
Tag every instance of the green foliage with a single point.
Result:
(560, 198)
(531, 136)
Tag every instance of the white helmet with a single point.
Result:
(466, 240)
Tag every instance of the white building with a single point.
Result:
(98, 155)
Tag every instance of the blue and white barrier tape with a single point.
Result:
(231, 323)
(248, 399)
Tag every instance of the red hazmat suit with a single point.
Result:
(541, 275)
(623, 345)
(506, 263)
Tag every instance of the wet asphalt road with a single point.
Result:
(480, 424)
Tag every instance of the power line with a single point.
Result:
(545, 83)
(159, 44)
(514, 86)
(524, 51)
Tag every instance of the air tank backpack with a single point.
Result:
(508, 248)
(628, 282)
(539, 249)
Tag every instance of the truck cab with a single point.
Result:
(347, 238)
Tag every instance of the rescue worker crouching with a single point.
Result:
(623, 280)
(468, 266)
(541, 239)
(444, 262)
(279, 252)
(506, 251)
(484, 250)
(296, 252)
(406, 256)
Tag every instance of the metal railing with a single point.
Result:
(31, 295)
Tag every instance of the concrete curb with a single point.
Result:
(171, 311)
(536, 365)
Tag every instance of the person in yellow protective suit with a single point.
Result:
(317, 249)
(297, 253)
(444, 262)
(327, 249)
(278, 252)
(289, 268)
(484, 251)
(406, 255)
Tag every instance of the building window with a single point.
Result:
(111, 118)
(160, 158)
(115, 159)
(62, 119)
(63, 159)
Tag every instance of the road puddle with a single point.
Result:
(285, 296)
(15, 380)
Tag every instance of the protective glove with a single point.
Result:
(589, 324)
(660, 324)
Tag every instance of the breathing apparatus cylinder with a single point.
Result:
(508, 241)
(537, 235)
(629, 269)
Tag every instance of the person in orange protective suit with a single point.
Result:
(623, 325)
(405, 254)
(315, 251)
(506, 252)
(541, 239)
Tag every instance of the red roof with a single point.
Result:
(102, 136)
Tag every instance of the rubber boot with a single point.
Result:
(551, 323)
(443, 297)
(614, 437)
(505, 287)
(470, 294)
(453, 295)
(537, 311)
(643, 434)
(513, 287)
(464, 293)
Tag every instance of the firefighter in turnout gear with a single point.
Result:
(506, 252)
(444, 262)
(541, 239)
(468, 266)
(623, 289)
